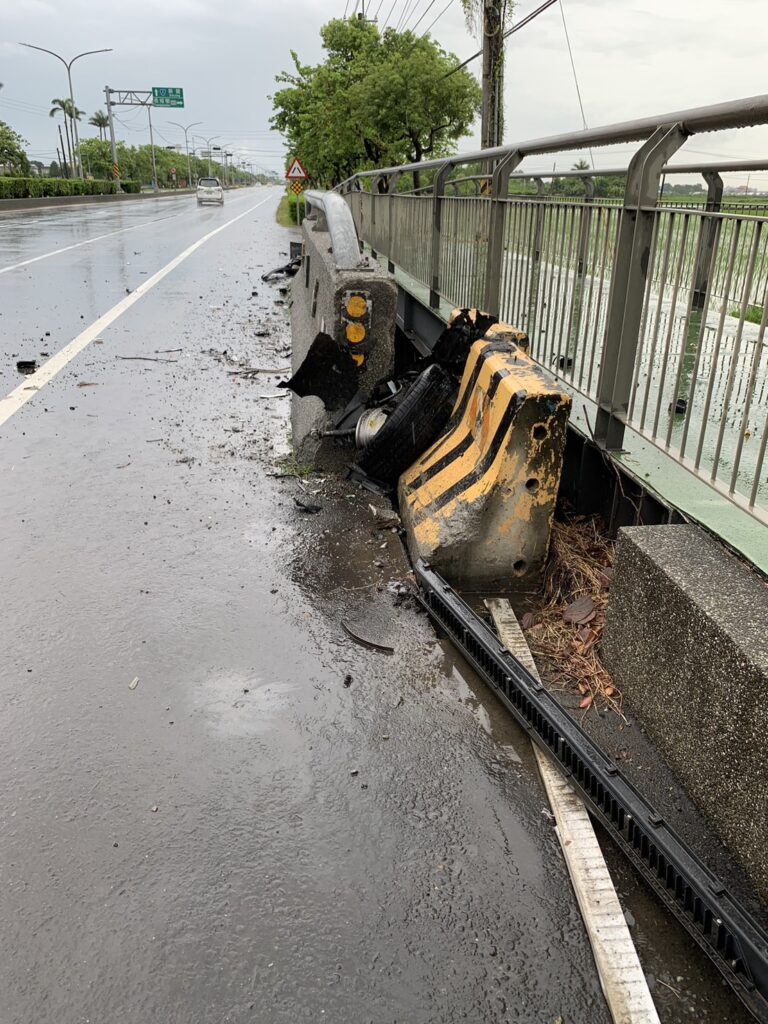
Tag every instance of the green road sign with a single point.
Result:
(162, 97)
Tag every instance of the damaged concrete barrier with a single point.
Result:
(343, 309)
(685, 639)
(478, 504)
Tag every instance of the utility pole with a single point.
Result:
(113, 144)
(155, 183)
(492, 124)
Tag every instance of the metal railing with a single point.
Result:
(654, 309)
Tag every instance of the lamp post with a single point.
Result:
(68, 66)
(186, 146)
(208, 144)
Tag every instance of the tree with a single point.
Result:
(70, 113)
(377, 99)
(581, 165)
(54, 171)
(101, 121)
(12, 155)
(60, 107)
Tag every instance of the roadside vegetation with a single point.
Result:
(34, 188)
(378, 99)
(287, 211)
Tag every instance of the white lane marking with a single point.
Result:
(86, 241)
(621, 975)
(14, 400)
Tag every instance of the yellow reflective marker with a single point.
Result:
(355, 333)
(359, 358)
(357, 306)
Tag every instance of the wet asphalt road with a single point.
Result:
(239, 836)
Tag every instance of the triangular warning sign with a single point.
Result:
(296, 172)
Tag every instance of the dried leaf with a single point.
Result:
(586, 702)
(583, 688)
(581, 610)
(528, 620)
(609, 691)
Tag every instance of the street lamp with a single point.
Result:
(68, 66)
(186, 146)
(208, 144)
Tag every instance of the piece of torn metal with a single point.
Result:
(370, 644)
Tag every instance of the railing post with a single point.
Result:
(533, 287)
(438, 190)
(707, 238)
(495, 256)
(631, 261)
(581, 256)
(391, 191)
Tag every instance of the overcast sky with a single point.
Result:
(632, 60)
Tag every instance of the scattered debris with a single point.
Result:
(187, 460)
(354, 771)
(161, 351)
(289, 269)
(133, 683)
(26, 366)
(385, 516)
(567, 630)
(370, 644)
(347, 680)
(251, 372)
(154, 808)
(87, 384)
(146, 359)
(307, 506)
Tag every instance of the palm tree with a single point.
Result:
(62, 107)
(71, 113)
(581, 165)
(101, 121)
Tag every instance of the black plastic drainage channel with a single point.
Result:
(700, 901)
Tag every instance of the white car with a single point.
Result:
(209, 190)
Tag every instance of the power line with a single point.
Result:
(575, 76)
(424, 14)
(510, 32)
(386, 20)
(432, 25)
(407, 11)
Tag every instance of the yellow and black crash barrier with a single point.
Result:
(478, 504)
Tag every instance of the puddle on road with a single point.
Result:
(244, 705)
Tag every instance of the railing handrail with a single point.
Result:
(337, 219)
(743, 113)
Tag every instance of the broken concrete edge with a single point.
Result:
(686, 640)
(356, 308)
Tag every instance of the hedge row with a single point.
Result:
(34, 188)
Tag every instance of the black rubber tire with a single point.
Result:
(413, 426)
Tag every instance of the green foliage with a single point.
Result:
(753, 315)
(376, 100)
(136, 163)
(295, 204)
(34, 188)
(12, 155)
